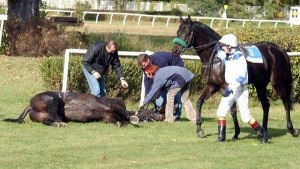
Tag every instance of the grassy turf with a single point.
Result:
(148, 145)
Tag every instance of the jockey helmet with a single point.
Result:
(229, 39)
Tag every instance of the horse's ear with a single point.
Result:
(189, 19)
(181, 19)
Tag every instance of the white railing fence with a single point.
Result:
(167, 19)
(68, 52)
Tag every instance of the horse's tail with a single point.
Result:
(21, 117)
(289, 86)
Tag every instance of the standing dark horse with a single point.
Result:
(275, 69)
(56, 108)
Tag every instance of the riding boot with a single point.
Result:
(221, 130)
(262, 134)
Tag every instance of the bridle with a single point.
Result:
(189, 45)
(190, 41)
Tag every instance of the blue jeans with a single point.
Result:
(97, 86)
(161, 102)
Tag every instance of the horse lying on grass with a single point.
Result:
(57, 108)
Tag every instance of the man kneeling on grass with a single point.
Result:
(175, 79)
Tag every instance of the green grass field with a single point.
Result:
(148, 145)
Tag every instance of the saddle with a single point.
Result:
(251, 52)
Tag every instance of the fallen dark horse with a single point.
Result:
(57, 108)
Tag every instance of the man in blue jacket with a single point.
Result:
(161, 59)
(175, 79)
(96, 62)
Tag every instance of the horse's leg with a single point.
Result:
(127, 115)
(262, 96)
(52, 109)
(289, 123)
(207, 92)
(282, 80)
(112, 118)
(237, 129)
(284, 93)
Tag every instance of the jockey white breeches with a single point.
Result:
(240, 96)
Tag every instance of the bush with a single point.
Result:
(285, 37)
(37, 38)
(52, 73)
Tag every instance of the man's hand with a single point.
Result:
(97, 75)
(227, 92)
(124, 84)
(142, 108)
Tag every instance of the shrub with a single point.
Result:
(52, 73)
(37, 38)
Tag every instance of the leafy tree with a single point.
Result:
(205, 7)
(80, 7)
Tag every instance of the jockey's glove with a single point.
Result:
(227, 92)
(124, 83)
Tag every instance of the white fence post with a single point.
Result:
(2, 18)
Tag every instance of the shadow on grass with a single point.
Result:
(273, 132)
(204, 119)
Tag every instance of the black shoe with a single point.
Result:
(221, 133)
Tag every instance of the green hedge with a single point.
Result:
(52, 73)
(52, 69)
(286, 37)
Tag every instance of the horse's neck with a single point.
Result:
(204, 42)
(204, 54)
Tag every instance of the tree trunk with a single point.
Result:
(22, 10)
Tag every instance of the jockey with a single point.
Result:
(236, 75)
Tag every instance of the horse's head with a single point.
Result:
(184, 37)
(149, 115)
(193, 33)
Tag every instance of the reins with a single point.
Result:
(210, 63)
(202, 47)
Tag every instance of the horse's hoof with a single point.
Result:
(235, 137)
(62, 124)
(201, 134)
(55, 124)
(134, 119)
(264, 138)
(295, 133)
(118, 124)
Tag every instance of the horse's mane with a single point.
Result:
(208, 31)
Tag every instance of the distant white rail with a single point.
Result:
(167, 19)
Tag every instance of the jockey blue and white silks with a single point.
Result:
(236, 72)
(236, 75)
